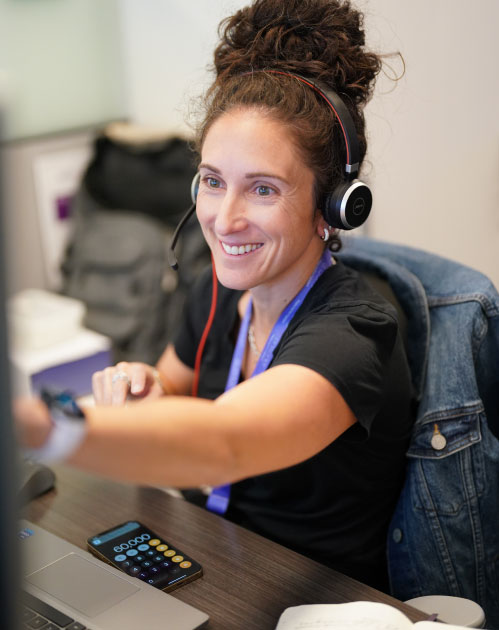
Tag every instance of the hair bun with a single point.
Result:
(321, 39)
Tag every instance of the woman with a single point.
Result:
(314, 443)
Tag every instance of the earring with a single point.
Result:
(325, 238)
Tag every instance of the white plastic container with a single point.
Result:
(452, 610)
(39, 319)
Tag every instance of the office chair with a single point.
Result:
(444, 536)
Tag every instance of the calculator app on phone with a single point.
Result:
(140, 552)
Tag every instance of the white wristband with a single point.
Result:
(65, 437)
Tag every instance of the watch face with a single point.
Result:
(63, 402)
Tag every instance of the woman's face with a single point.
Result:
(256, 202)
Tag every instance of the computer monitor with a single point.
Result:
(10, 560)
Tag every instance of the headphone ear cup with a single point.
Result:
(195, 187)
(348, 206)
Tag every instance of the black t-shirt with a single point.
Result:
(335, 506)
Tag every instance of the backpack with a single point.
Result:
(116, 260)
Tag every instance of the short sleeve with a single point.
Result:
(352, 346)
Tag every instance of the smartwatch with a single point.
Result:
(68, 427)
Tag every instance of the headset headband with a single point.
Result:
(342, 114)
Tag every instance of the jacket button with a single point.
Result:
(438, 441)
(397, 535)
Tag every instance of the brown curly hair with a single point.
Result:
(320, 39)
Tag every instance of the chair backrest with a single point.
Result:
(443, 538)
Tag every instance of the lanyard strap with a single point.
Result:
(218, 501)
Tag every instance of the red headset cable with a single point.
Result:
(207, 328)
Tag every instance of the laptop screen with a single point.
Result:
(9, 566)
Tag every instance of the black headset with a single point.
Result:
(349, 204)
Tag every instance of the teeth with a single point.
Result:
(238, 250)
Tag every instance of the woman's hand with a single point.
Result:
(33, 422)
(114, 385)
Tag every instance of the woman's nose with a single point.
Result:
(231, 215)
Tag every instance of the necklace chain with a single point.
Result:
(252, 342)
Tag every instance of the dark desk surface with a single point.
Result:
(248, 581)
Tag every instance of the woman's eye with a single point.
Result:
(212, 182)
(264, 191)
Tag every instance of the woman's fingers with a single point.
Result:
(138, 379)
(97, 387)
(120, 385)
(112, 385)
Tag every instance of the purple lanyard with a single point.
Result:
(218, 501)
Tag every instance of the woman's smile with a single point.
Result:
(239, 250)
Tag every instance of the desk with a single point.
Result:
(248, 580)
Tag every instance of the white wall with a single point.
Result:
(435, 137)
(60, 65)
(168, 45)
(434, 150)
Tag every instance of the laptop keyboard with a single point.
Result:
(38, 614)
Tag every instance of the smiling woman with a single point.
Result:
(304, 397)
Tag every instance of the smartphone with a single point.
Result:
(137, 550)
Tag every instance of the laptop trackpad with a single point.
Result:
(84, 586)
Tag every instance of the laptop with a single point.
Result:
(64, 585)
(94, 594)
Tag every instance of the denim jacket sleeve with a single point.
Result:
(444, 534)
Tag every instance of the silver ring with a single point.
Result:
(120, 376)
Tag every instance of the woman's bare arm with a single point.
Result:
(274, 420)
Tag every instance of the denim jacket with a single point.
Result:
(444, 534)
